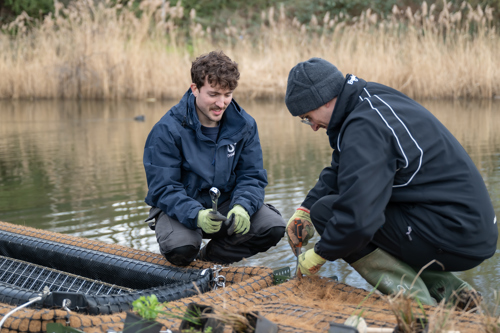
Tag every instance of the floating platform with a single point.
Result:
(89, 286)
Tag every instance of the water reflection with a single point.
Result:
(76, 168)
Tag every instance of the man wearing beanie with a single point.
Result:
(400, 191)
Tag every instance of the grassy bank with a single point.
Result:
(108, 52)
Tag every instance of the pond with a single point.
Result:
(75, 167)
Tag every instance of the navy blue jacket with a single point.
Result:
(182, 164)
(390, 149)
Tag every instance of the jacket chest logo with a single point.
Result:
(230, 150)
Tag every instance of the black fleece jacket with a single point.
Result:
(390, 149)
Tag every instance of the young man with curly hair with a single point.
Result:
(207, 140)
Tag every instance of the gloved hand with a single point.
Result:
(208, 225)
(309, 263)
(241, 219)
(302, 215)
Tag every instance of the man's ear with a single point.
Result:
(332, 102)
(194, 89)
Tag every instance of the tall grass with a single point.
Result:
(106, 51)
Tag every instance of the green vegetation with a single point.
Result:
(218, 13)
(34, 8)
(147, 307)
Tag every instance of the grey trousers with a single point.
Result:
(180, 245)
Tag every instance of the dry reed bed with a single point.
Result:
(106, 52)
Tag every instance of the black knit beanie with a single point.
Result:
(311, 84)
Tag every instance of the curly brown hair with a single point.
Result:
(218, 68)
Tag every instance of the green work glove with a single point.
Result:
(310, 263)
(208, 225)
(301, 215)
(241, 219)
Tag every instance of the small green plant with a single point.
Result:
(193, 316)
(208, 329)
(147, 307)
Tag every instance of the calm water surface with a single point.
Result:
(76, 168)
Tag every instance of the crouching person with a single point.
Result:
(207, 140)
(400, 191)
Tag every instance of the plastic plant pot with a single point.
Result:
(259, 324)
(136, 324)
(195, 312)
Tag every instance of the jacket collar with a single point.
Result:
(346, 102)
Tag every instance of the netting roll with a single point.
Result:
(137, 277)
(92, 264)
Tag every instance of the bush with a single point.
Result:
(34, 8)
(219, 13)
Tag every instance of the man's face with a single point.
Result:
(320, 117)
(211, 102)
